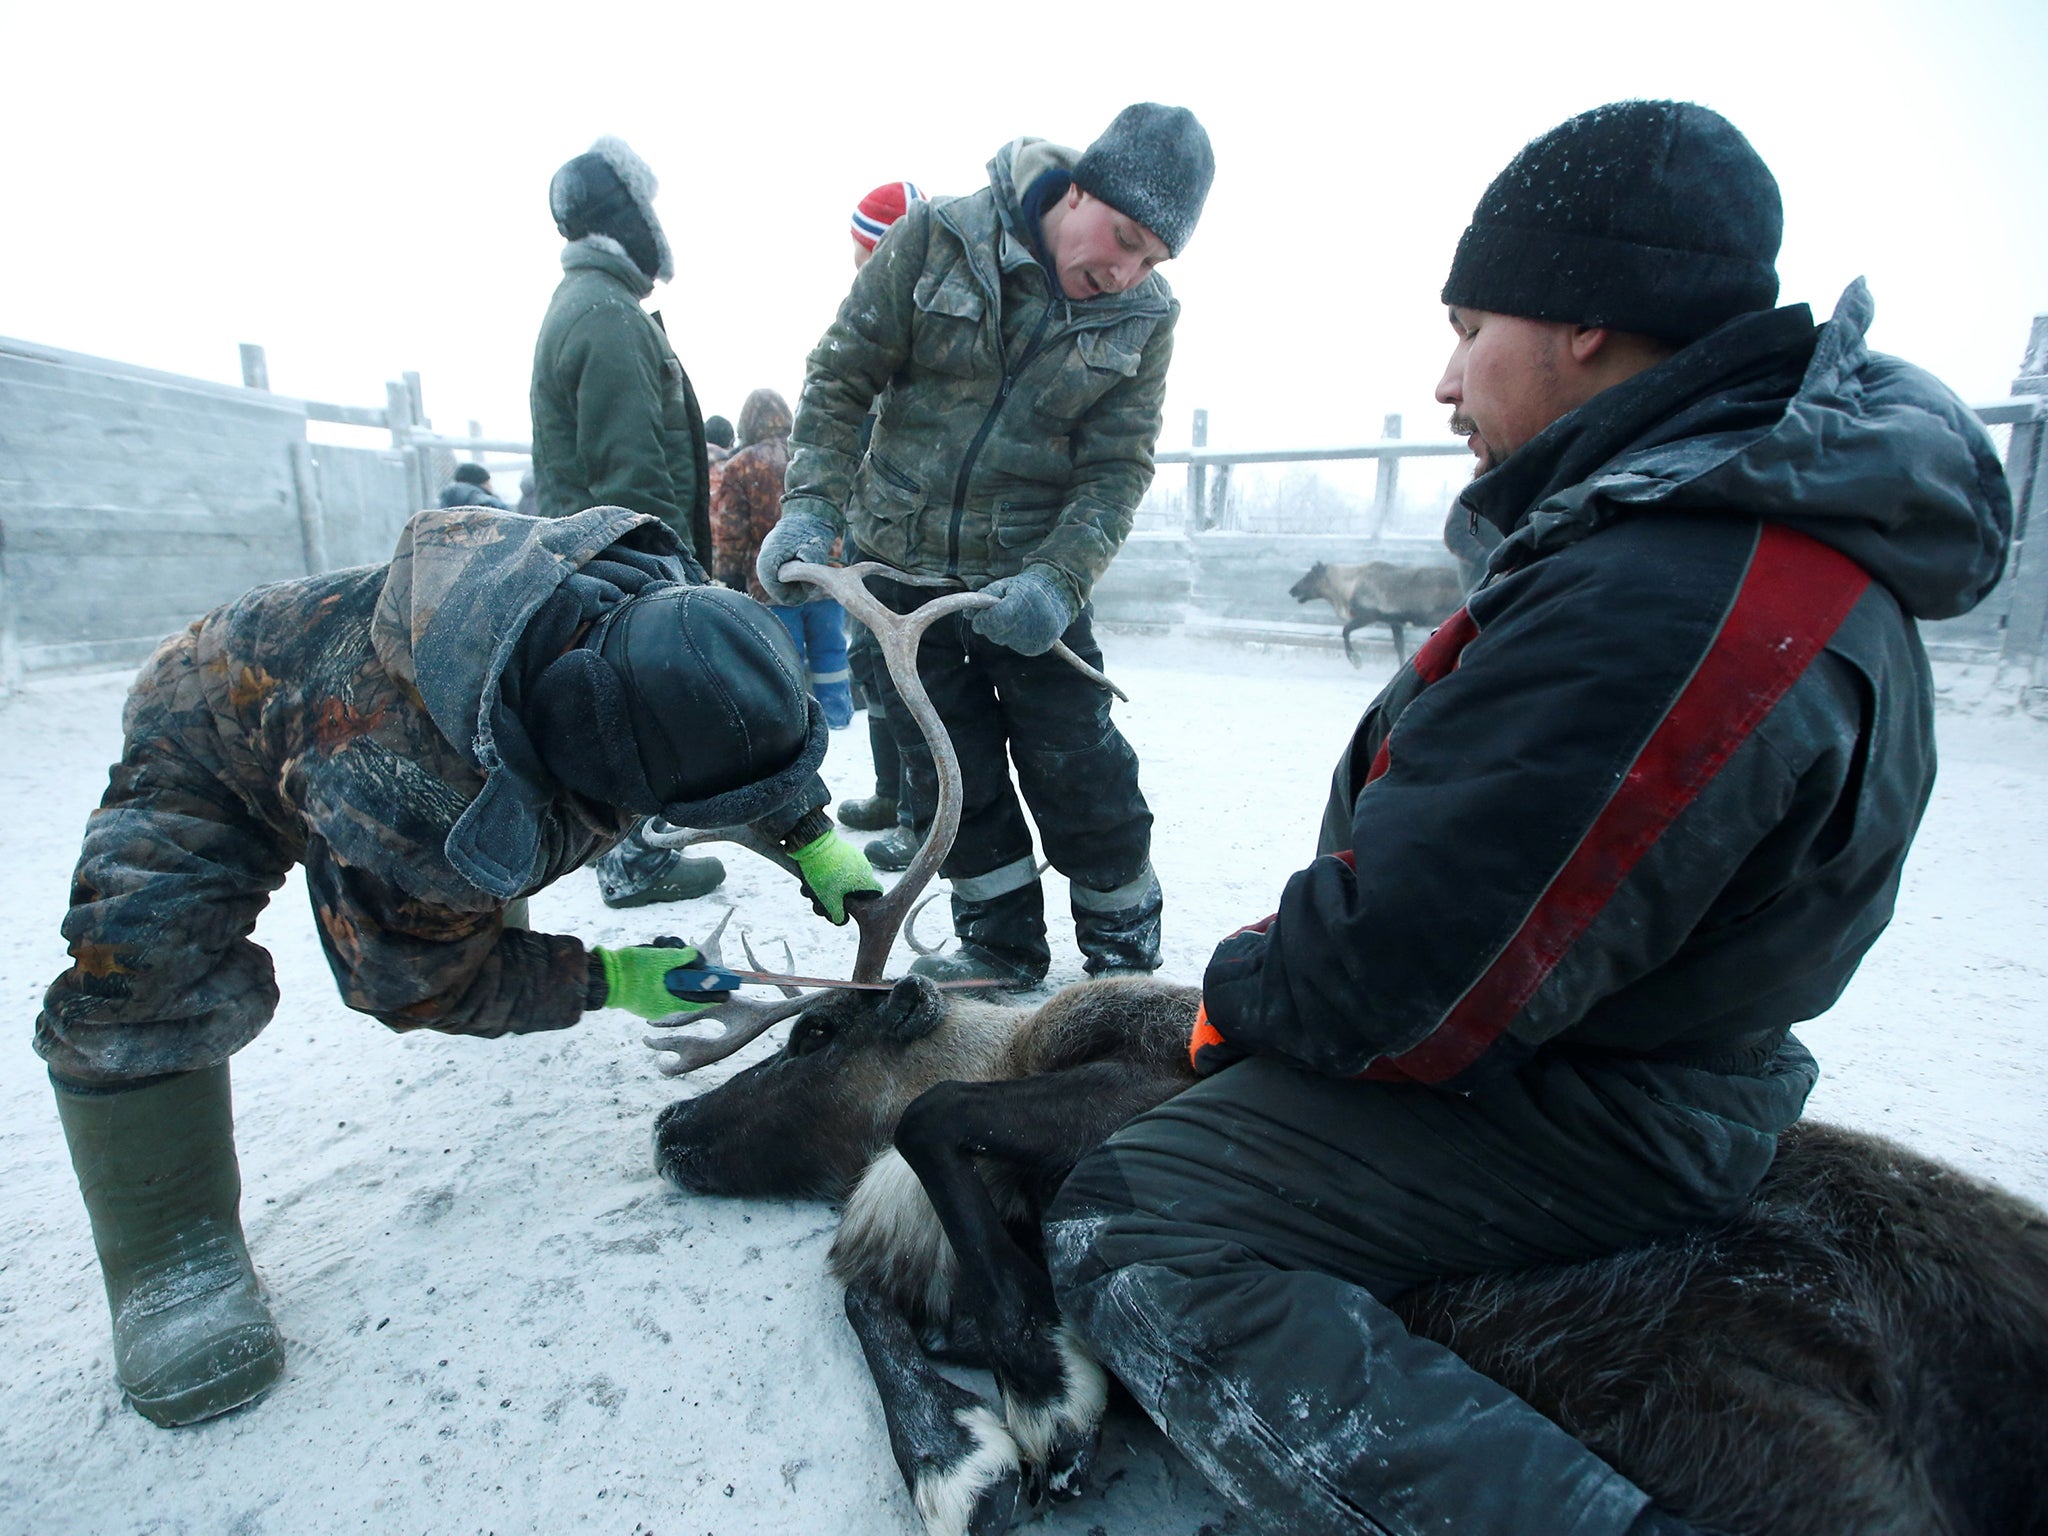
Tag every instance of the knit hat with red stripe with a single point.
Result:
(873, 214)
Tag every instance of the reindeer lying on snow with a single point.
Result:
(1864, 1350)
(1379, 592)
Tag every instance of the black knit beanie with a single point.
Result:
(472, 474)
(688, 701)
(1152, 164)
(1648, 216)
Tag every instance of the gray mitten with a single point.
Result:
(805, 536)
(1032, 610)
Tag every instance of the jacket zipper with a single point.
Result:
(988, 424)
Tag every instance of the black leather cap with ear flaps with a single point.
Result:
(686, 700)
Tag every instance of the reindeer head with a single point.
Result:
(1309, 587)
(810, 1118)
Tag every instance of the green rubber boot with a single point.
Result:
(156, 1165)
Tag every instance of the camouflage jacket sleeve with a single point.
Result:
(1112, 469)
(615, 360)
(413, 964)
(860, 352)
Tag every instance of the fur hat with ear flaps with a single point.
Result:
(686, 701)
(608, 193)
(1648, 216)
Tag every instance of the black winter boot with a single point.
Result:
(872, 813)
(894, 849)
(1118, 930)
(1002, 939)
(156, 1165)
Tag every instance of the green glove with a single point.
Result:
(636, 980)
(834, 870)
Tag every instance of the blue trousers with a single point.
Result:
(819, 630)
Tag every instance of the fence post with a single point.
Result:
(1198, 479)
(1219, 499)
(398, 415)
(2026, 469)
(255, 369)
(1387, 479)
(476, 432)
(312, 511)
(10, 649)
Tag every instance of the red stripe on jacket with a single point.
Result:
(1793, 598)
(1437, 658)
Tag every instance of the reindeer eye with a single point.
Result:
(810, 1034)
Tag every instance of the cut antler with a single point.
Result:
(880, 918)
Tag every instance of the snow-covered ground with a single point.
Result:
(500, 1321)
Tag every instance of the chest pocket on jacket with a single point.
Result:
(947, 325)
(1097, 361)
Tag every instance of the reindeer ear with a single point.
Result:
(913, 1008)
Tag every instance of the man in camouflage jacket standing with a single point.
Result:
(433, 741)
(1018, 339)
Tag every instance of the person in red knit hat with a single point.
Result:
(873, 215)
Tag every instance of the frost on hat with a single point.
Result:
(1649, 216)
(1153, 164)
(873, 214)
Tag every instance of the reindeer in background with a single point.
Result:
(1865, 1349)
(1381, 592)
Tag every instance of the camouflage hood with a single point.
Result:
(461, 589)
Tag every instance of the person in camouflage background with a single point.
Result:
(432, 740)
(1022, 337)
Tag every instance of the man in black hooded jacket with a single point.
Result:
(1632, 813)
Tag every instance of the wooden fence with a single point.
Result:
(131, 500)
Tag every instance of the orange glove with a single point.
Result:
(1208, 1051)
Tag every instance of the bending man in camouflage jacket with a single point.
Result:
(432, 740)
(1018, 340)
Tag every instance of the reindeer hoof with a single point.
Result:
(978, 1491)
(1067, 1465)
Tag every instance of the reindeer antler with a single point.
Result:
(880, 918)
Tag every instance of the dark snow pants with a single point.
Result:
(886, 730)
(1229, 1257)
(1078, 775)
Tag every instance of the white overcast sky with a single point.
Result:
(362, 188)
